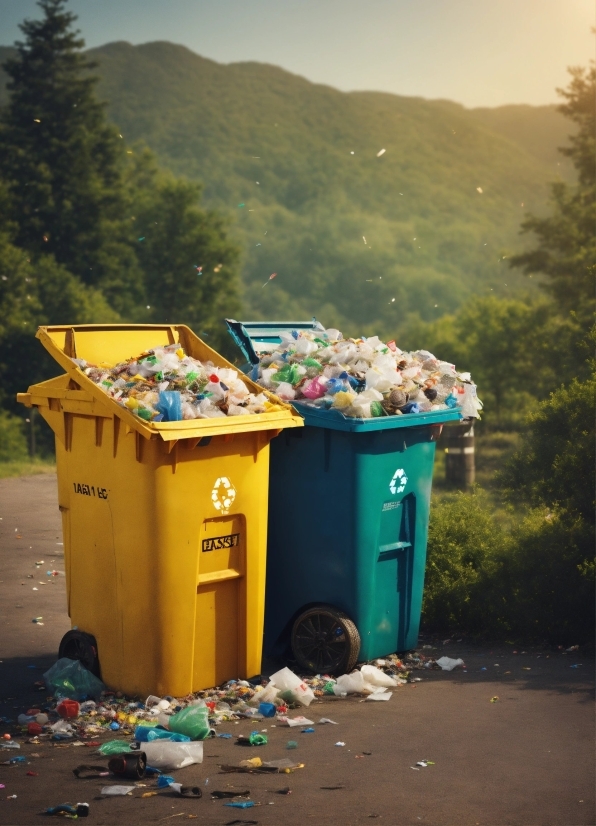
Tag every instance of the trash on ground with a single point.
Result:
(78, 810)
(69, 678)
(448, 664)
(379, 695)
(162, 754)
(193, 721)
(221, 795)
(362, 378)
(115, 791)
(295, 721)
(292, 688)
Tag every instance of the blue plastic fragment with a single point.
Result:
(245, 804)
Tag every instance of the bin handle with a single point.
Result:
(390, 551)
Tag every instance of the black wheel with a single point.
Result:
(76, 645)
(325, 640)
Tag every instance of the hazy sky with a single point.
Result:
(476, 52)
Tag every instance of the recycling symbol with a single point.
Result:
(399, 481)
(223, 494)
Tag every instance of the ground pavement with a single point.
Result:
(527, 758)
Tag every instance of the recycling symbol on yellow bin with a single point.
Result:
(223, 494)
(399, 481)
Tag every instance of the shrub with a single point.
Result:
(13, 444)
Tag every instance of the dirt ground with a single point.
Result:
(527, 758)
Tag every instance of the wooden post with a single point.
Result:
(460, 459)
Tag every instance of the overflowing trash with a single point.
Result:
(165, 384)
(363, 378)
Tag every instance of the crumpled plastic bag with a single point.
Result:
(69, 678)
(111, 747)
(192, 721)
(350, 684)
(165, 755)
(448, 664)
(170, 405)
(375, 676)
(292, 688)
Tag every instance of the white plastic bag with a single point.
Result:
(375, 676)
(286, 681)
(168, 755)
(350, 684)
(448, 664)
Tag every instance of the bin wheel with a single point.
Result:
(76, 645)
(325, 640)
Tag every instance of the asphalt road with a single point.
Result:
(527, 758)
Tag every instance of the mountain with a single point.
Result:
(360, 239)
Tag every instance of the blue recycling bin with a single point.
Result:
(349, 506)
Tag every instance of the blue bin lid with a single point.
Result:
(254, 337)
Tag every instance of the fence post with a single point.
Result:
(460, 459)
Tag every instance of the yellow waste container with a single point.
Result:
(165, 525)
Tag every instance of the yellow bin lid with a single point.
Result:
(109, 344)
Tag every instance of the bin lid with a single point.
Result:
(113, 343)
(254, 337)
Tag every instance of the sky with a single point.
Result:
(475, 52)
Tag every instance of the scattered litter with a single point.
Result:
(69, 678)
(494, 699)
(296, 721)
(324, 720)
(244, 804)
(292, 688)
(448, 664)
(340, 743)
(79, 810)
(217, 795)
(109, 791)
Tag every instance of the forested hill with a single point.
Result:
(359, 240)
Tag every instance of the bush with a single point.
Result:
(532, 579)
(547, 578)
(13, 444)
(463, 544)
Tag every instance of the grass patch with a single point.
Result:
(22, 467)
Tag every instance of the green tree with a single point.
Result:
(518, 351)
(189, 264)
(63, 162)
(566, 251)
(556, 464)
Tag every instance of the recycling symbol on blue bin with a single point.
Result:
(223, 494)
(399, 481)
